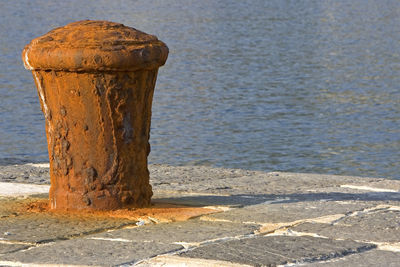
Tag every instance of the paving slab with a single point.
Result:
(241, 200)
(263, 219)
(233, 201)
(214, 180)
(173, 260)
(19, 224)
(90, 252)
(374, 226)
(276, 250)
(9, 247)
(42, 228)
(288, 212)
(190, 232)
(33, 222)
(371, 258)
(233, 182)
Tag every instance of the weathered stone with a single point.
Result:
(207, 180)
(8, 248)
(27, 173)
(210, 200)
(47, 227)
(221, 181)
(95, 81)
(374, 226)
(173, 260)
(296, 210)
(369, 258)
(91, 252)
(192, 231)
(276, 250)
(285, 211)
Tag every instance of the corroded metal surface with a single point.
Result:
(95, 81)
(94, 46)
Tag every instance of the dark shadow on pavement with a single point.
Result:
(247, 200)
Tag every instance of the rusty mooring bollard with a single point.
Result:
(95, 81)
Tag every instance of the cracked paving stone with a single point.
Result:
(7, 248)
(369, 258)
(290, 212)
(381, 226)
(91, 252)
(192, 231)
(46, 227)
(276, 250)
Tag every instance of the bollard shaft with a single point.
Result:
(95, 82)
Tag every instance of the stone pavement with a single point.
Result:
(206, 216)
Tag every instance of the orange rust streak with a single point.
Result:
(157, 212)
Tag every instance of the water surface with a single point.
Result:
(301, 86)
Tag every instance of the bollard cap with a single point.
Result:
(95, 46)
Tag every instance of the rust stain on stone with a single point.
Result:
(95, 82)
(155, 213)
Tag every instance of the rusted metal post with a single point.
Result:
(95, 81)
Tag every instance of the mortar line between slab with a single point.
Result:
(85, 234)
(182, 261)
(135, 263)
(12, 242)
(187, 246)
(377, 208)
(322, 219)
(328, 219)
(49, 242)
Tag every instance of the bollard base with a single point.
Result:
(96, 200)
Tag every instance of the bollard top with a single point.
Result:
(94, 46)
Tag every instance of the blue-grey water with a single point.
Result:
(301, 86)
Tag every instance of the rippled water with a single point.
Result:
(304, 86)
